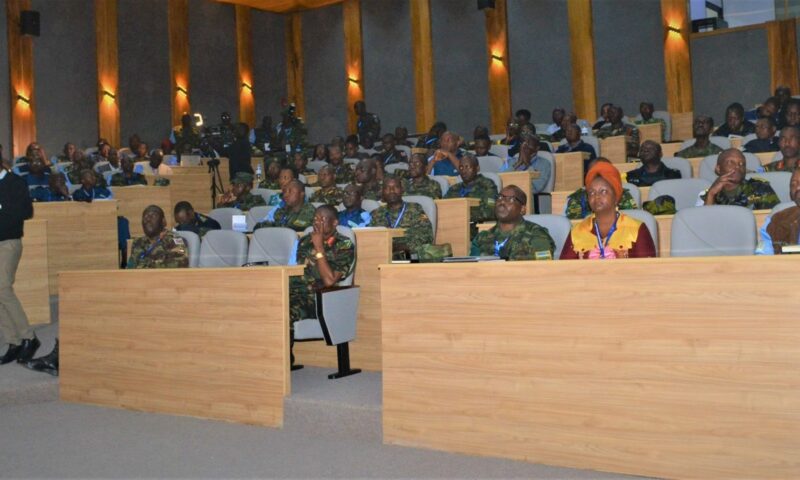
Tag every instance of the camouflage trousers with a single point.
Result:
(302, 304)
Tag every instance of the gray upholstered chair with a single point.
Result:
(680, 164)
(273, 245)
(490, 163)
(223, 248)
(428, 205)
(779, 181)
(558, 226)
(192, 241)
(649, 220)
(709, 164)
(224, 215)
(683, 190)
(713, 230)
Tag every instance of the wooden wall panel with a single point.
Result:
(677, 57)
(244, 53)
(178, 18)
(353, 58)
(425, 101)
(105, 20)
(499, 65)
(680, 386)
(294, 62)
(232, 358)
(32, 282)
(20, 63)
(581, 42)
(782, 46)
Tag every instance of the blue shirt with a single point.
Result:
(446, 167)
(97, 193)
(356, 218)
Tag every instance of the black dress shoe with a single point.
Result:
(46, 364)
(28, 349)
(11, 354)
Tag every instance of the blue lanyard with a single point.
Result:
(584, 208)
(90, 192)
(147, 252)
(600, 244)
(284, 219)
(399, 217)
(499, 246)
(431, 140)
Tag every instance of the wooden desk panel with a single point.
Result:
(665, 230)
(650, 131)
(766, 157)
(80, 236)
(680, 385)
(682, 126)
(194, 188)
(133, 200)
(670, 149)
(209, 343)
(523, 180)
(736, 142)
(373, 248)
(452, 223)
(32, 284)
(568, 171)
(614, 149)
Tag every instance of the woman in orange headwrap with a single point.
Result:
(607, 233)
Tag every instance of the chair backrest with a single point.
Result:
(593, 141)
(649, 220)
(349, 233)
(224, 216)
(191, 160)
(352, 161)
(713, 230)
(369, 205)
(680, 164)
(302, 178)
(499, 136)
(748, 138)
(273, 245)
(90, 151)
(781, 206)
(558, 226)
(310, 191)
(721, 142)
(223, 248)
(490, 164)
(683, 190)
(548, 187)
(443, 183)
(102, 167)
(779, 181)
(635, 193)
(257, 214)
(709, 164)
(192, 245)
(495, 178)
(266, 193)
(405, 149)
(391, 168)
(428, 205)
(499, 150)
(317, 165)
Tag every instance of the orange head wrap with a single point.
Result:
(609, 173)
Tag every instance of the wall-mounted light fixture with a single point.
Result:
(24, 99)
(247, 86)
(670, 28)
(182, 90)
(497, 57)
(352, 80)
(110, 95)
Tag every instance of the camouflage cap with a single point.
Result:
(242, 178)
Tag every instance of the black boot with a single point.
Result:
(46, 364)
(28, 349)
(11, 354)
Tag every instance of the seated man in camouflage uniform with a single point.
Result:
(514, 238)
(127, 176)
(646, 110)
(578, 205)
(239, 195)
(300, 164)
(782, 228)
(418, 182)
(390, 154)
(474, 185)
(789, 144)
(353, 215)
(400, 214)
(158, 248)
(343, 172)
(295, 213)
(328, 257)
(366, 177)
(652, 169)
(732, 188)
(617, 127)
(702, 147)
(186, 137)
(271, 179)
(328, 192)
(187, 220)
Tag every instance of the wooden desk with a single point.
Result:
(452, 223)
(132, 201)
(736, 142)
(32, 282)
(694, 379)
(194, 188)
(80, 236)
(373, 248)
(650, 131)
(695, 163)
(523, 180)
(568, 171)
(614, 149)
(559, 200)
(670, 149)
(766, 157)
(311, 179)
(203, 342)
(682, 126)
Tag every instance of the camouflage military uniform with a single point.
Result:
(481, 188)
(753, 193)
(201, 225)
(655, 120)
(427, 187)
(373, 192)
(120, 180)
(298, 221)
(245, 204)
(269, 184)
(778, 166)
(169, 251)
(74, 176)
(419, 231)
(293, 134)
(329, 195)
(631, 136)
(161, 182)
(344, 174)
(694, 152)
(341, 255)
(578, 204)
(527, 241)
(185, 142)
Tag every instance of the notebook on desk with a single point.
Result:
(473, 258)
